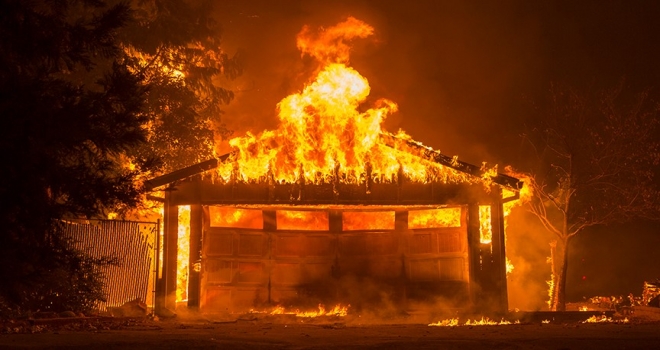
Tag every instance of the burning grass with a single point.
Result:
(338, 310)
(605, 319)
(484, 321)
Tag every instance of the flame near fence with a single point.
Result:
(132, 244)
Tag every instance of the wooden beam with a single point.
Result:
(186, 172)
(474, 254)
(432, 155)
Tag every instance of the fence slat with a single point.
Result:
(131, 246)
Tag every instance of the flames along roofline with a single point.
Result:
(387, 139)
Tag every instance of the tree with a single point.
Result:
(71, 112)
(175, 46)
(93, 94)
(598, 154)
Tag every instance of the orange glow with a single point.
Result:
(236, 217)
(302, 220)
(485, 226)
(337, 310)
(367, 220)
(325, 134)
(433, 218)
(183, 252)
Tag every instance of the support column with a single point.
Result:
(336, 225)
(402, 235)
(474, 253)
(195, 256)
(170, 250)
(270, 229)
(499, 250)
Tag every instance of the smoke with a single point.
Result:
(528, 249)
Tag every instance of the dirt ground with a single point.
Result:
(642, 331)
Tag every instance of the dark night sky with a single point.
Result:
(464, 74)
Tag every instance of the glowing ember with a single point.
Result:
(183, 252)
(337, 310)
(552, 286)
(604, 319)
(583, 308)
(484, 321)
(323, 133)
(452, 322)
(485, 226)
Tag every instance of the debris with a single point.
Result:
(133, 308)
(651, 293)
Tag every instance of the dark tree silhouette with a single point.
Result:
(95, 96)
(175, 46)
(598, 154)
(71, 109)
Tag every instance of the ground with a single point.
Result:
(642, 331)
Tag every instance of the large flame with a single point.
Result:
(183, 252)
(324, 130)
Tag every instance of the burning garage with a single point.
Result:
(329, 209)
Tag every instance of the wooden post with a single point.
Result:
(195, 255)
(270, 229)
(336, 226)
(402, 235)
(170, 250)
(499, 250)
(474, 253)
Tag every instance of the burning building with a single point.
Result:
(329, 208)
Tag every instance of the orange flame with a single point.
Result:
(484, 321)
(337, 310)
(236, 217)
(183, 252)
(432, 218)
(330, 45)
(302, 220)
(485, 225)
(604, 319)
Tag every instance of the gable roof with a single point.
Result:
(390, 140)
